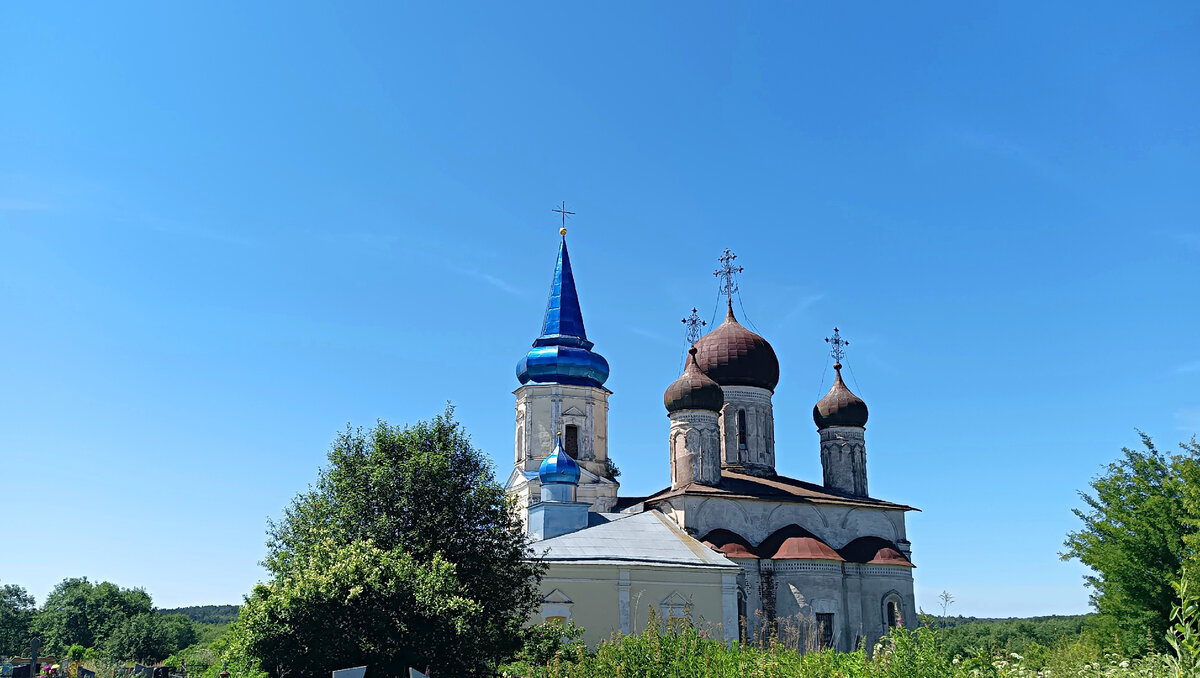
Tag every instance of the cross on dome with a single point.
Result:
(837, 347)
(694, 326)
(728, 273)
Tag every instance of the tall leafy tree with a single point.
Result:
(16, 619)
(80, 612)
(419, 502)
(354, 604)
(1136, 536)
(149, 637)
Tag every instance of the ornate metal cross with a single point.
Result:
(563, 211)
(728, 273)
(837, 346)
(694, 325)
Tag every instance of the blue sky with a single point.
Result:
(228, 230)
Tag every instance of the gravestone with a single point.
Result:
(35, 644)
(356, 672)
(413, 673)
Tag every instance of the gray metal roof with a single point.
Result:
(642, 538)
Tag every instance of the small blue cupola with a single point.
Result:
(563, 354)
(559, 475)
(558, 513)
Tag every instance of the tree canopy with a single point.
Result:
(16, 619)
(404, 550)
(117, 621)
(1138, 533)
(78, 611)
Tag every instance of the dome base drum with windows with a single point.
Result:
(730, 541)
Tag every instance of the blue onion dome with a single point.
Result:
(732, 355)
(559, 467)
(840, 407)
(693, 390)
(563, 354)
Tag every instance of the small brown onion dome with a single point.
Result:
(734, 356)
(840, 407)
(693, 390)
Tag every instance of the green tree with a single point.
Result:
(424, 500)
(77, 611)
(1135, 537)
(356, 604)
(180, 631)
(142, 638)
(16, 619)
(150, 637)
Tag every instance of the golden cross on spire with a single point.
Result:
(563, 211)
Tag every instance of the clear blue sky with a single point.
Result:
(226, 230)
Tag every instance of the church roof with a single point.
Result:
(736, 485)
(643, 538)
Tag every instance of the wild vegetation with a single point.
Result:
(1139, 535)
(690, 650)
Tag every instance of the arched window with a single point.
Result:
(741, 429)
(891, 614)
(571, 441)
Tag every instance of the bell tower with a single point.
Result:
(562, 394)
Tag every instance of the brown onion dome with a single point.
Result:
(734, 356)
(693, 390)
(840, 407)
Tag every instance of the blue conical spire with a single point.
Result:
(563, 324)
(563, 354)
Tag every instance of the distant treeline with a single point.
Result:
(973, 635)
(207, 614)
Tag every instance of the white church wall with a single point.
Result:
(877, 585)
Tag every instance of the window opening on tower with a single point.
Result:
(571, 441)
(741, 429)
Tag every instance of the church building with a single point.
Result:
(730, 544)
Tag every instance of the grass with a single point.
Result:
(689, 651)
